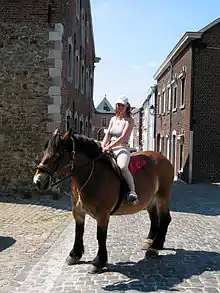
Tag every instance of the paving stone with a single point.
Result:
(189, 263)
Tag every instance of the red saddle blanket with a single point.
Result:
(136, 163)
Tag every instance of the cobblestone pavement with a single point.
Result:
(190, 262)
(27, 229)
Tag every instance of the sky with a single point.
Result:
(133, 37)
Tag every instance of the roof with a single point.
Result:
(182, 44)
(105, 107)
(150, 92)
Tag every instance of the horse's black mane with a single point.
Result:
(87, 145)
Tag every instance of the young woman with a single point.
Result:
(116, 139)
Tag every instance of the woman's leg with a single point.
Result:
(123, 157)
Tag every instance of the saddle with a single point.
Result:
(135, 164)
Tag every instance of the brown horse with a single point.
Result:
(98, 190)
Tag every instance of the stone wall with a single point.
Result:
(26, 108)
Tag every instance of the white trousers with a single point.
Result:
(123, 158)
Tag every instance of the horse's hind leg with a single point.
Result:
(164, 219)
(154, 224)
(78, 247)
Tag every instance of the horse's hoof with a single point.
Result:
(72, 260)
(151, 252)
(147, 244)
(95, 270)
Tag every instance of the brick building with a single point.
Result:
(188, 120)
(101, 117)
(47, 61)
(136, 135)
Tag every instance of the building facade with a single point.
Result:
(136, 135)
(188, 121)
(149, 120)
(46, 79)
(101, 118)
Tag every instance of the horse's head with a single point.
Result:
(58, 154)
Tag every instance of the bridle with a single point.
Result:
(55, 180)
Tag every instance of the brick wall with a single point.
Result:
(137, 130)
(97, 126)
(175, 122)
(78, 102)
(206, 107)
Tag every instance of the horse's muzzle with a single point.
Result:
(41, 181)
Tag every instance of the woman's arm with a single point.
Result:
(125, 134)
(107, 135)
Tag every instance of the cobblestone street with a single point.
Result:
(189, 263)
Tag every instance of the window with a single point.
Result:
(181, 157)
(68, 123)
(70, 59)
(174, 97)
(174, 151)
(162, 145)
(164, 102)
(87, 32)
(86, 128)
(104, 121)
(82, 77)
(87, 83)
(169, 99)
(168, 148)
(83, 28)
(77, 70)
(81, 127)
(76, 125)
(91, 85)
(183, 91)
(106, 107)
(78, 8)
(159, 104)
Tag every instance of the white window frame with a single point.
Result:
(164, 102)
(78, 9)
(168, 147)
(169, 98)
(104, 119)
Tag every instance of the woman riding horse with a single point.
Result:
(118, 135)
(97, 190)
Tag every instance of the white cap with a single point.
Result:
(122, 100)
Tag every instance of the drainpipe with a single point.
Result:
(190, 175)
(171, 108)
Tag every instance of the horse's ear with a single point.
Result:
(68, 133)
(55, 132)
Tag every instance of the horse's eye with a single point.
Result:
(56, 156)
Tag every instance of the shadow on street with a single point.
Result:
(6, 242)
(201, 199)
(164, 272)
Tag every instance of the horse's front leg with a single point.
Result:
(78, 247)
(101, 258)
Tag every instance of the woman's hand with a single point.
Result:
(106, 148)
